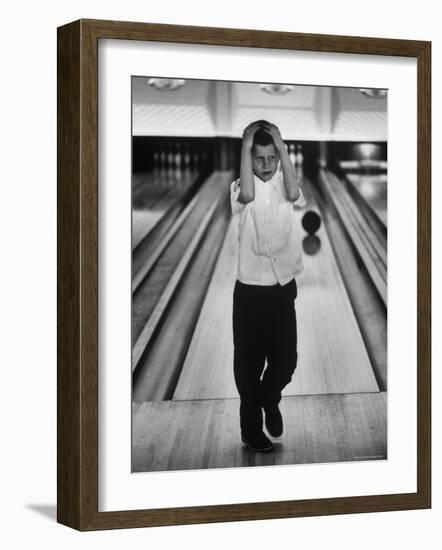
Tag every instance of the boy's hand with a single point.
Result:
(249, 132)
(273, 130)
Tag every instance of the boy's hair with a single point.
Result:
(262, 137)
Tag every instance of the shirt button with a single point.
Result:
(274, 259)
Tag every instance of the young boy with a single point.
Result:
(264, 317)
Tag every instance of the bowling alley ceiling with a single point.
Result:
(211, 108)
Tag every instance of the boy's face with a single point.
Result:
(265, 160)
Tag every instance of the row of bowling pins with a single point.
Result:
(178, 157)
(295, 154)
(164, 178)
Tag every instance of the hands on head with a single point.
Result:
(273, 130)
(249, 132)
(270, 128)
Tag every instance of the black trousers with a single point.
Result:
(264, 329)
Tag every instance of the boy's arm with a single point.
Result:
(247, 189)
(236, 206)
(291, 181)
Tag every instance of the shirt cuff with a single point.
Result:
(300, 201)
(234, 202)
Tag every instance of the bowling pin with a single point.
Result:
(170, 158)
(187, 158)
(299, 156)
(163, 159)
(177, 157)
(156, 161)
(292, 154)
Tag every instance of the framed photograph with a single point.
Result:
(244, 286)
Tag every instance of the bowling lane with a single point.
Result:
(153, 194)
(373, 188)
(207, 371)
(189, 435)
(332, 355)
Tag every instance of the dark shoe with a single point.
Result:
(259, 443)
(273, 421)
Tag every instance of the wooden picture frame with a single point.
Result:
(77, 458)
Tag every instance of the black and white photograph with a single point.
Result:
(259, 274)
(203, 342)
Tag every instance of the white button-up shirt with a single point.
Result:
(270, 248)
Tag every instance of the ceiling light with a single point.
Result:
(166, 84)
(373, 93)
(276, 89)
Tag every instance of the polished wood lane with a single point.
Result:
(153, 194)
(208, 369)
(152, 286)
(332, 354)
(160, 365)
(373, 188)
(183, 435)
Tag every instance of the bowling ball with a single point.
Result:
(311, 244)
(311, 222)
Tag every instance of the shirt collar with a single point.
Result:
(274, 181)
